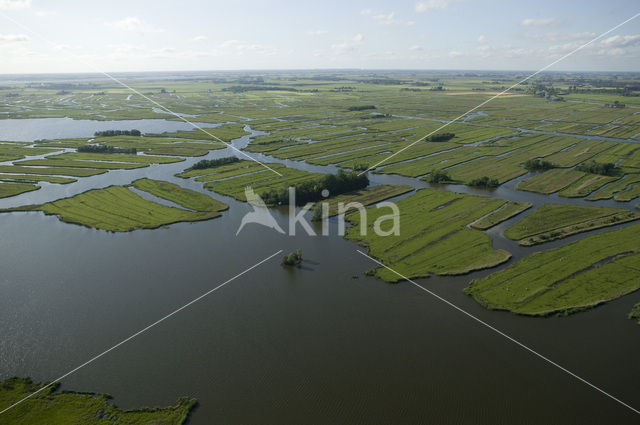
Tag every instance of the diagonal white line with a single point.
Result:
(111, 77)
(140, 331)
(499, 332)
(502, 92)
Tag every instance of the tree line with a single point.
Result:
(538, 165)
(361, 107)
(441, 137)
(106, 149)
(602, 168)
(213, 163)
(110, 133)
(311, 190)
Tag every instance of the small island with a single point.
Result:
(293, 259)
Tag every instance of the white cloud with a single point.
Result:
(555, 37)
(348, 45)
(481, 39)
(317, 32)
(199, 38)
(415, 47)
(427, 5)
(385, 19)
(239, 48)
(390, 19)
(13, 38)
(14, 4)
(455, 54)
(537, 22)
(621, 40)
(131, 23)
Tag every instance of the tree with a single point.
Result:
(438, 176)
(485, 182)
(538, 165)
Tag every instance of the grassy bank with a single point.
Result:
(434, 237)
(118, 209)
(556, 221)
(567, 279)
(51, 407)
(12, 189)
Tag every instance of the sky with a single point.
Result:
(112, 36)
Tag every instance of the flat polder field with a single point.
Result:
(528, 206)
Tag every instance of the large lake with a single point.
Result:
(276, 346)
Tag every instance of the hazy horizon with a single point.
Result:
(78, 37)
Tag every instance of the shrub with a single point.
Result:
(212, 163)
(438, 176)
(485, 182)
(538, 165)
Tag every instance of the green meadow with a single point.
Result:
(434, 237)
(118, 209)
(555, 221)
(571, 278)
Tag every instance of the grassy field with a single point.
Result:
(51, 407)
(434, 237)
(505, 212)
(242, 174)
(12, 189)
(556, 221)
(190, 199)
(550, 181)
(585, 185)
(55, 171)
(118, 209)
(580, 275)
(69, 163)
(624, 189)
(116, 157)
(13, 151)
(35, 178)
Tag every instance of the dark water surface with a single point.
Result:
(278, 346)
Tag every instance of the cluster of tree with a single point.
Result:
(538, 165)
(484, 182)
(383, 81)
(61, 92)
(343, 89)
(602, 168)
(110, 133)
(242, 89)
(438, 88)
(106, 149)
(293, 258)
(615, 104)
(212, 163)
(361, 107)
(409, 89)
(438, 176)
(441, 137)
(270, 142)
(311, 190)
